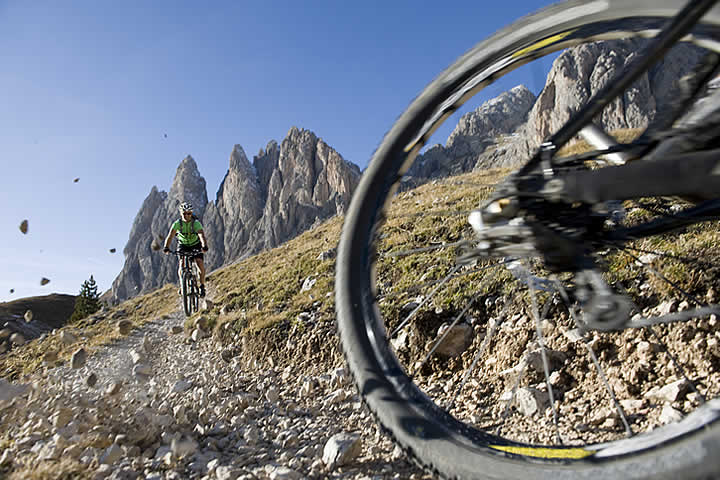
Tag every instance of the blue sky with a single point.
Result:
(89, 89)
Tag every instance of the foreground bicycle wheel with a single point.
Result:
(521, 395)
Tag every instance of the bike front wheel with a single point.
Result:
(186, 292)
(435, 406)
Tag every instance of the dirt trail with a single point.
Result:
(181, 411)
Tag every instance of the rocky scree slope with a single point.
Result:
(161, 405)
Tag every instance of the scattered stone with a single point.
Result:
(202, 322)
(251, 435)
(181, 386)
(336, 397)
(175, 329)
(670, 392)
(272, 395)
(141, 370)
(341, 449)
(631, 406)
(44, 281)
(206, 305)
(136, 356)
(5, 333)
(225, 472)
(113, 388)
(8, 390)
(17, 339)
(91, 380)
(529, 401)
(340, 377)
(79, 357)
(50, 357)
(197, 335)
(146, 344)
(24, 226)
(308, 284)
(28, 316)
(555, 360)
(400, 341)
(68, 338)
(327, 255)
(124, 327)
(457, 339)
(183, 447)
(283, 473)
(113, 453)
(573, 335)
(669, 415)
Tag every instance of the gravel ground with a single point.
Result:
(165, 406)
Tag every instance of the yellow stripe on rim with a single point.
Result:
(542, 43)
(539, 452)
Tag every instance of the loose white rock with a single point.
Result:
(342, 449)
(79, 357)
(113, 453)
(67, 337)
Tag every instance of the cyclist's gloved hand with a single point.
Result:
(205, 248)
(166, 250)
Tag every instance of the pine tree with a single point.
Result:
(88, 302)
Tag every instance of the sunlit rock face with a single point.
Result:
(287, 189)
(306, 182)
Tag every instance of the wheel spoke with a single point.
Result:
(677, 364)
(603, 378)
(486, 342)
(521, 367)
(593, 357)
(425, 300)
(664, 279)
(414, 251)
(449, 329)
(543, 354)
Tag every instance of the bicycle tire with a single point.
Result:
(195, 294)
(186, 294)
(430, 435)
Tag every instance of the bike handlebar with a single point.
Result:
(187, 253)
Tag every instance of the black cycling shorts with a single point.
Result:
(189, 248)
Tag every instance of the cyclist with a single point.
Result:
(191, 237)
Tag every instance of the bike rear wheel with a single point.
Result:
(404, 396)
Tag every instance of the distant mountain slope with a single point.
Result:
(49, 312)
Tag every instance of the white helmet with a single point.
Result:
(185, 207)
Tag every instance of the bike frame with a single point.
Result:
(672, 176)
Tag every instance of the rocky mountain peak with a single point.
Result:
(239, 161)
(288, 188)
(188, 186)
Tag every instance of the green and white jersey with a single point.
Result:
(187, 231)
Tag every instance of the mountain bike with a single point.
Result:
(578, 289)
(189, 290)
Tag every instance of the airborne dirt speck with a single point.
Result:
(24, 226)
